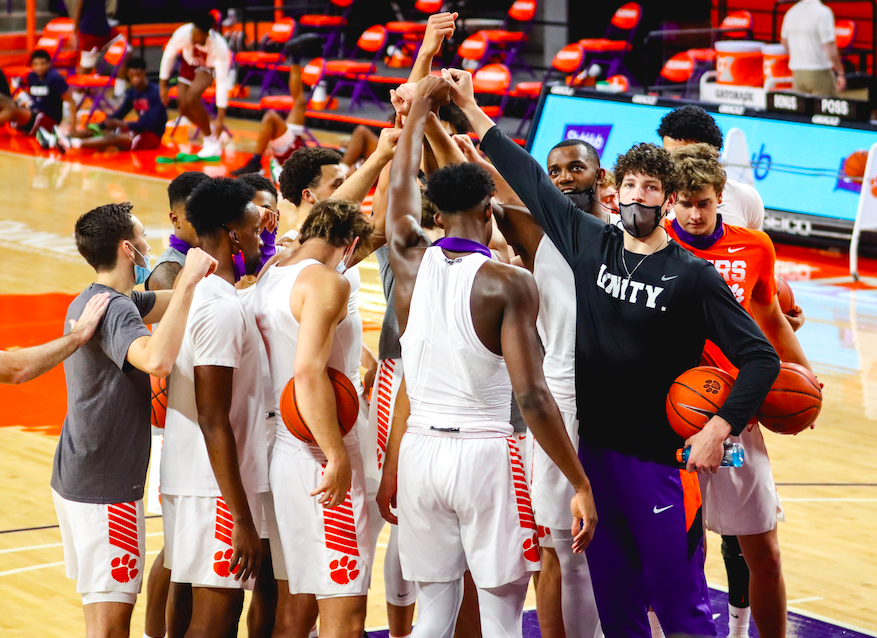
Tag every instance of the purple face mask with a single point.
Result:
(240, 266)
(178, 244)
(701, 242)
(460, 245)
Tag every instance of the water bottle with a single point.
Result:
(733, 456)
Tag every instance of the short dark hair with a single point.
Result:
(458, 187)
(217, 202)
(99, 232)
(648, 159)
(183, 185)
(40, 54)
(589, 148)
(453, 115)
(136, 63)
(337, 222)
(204, 21)
(303, 170)
(691, 122)
(259, 182)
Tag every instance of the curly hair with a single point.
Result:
(217, 202)
(183, 185)
(699, 167)
(691, 123)
(651, 160)
(99, 232)
(337, 222)
(458, 187)
(303, 170)
(260, 183)
(427, 211)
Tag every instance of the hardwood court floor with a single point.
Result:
(827, 477)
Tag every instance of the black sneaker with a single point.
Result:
(250, 167)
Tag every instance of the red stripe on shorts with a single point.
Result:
(385, 395)
(522, 494)
(340, 528)
(224, 522)
(122, 524)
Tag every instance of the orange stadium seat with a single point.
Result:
(617, 40)
(494, 80)
(264, 61)
(568, 61)
(328, 24)
(96, 85)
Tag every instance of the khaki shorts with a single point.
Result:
(822, 83)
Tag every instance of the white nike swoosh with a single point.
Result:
(658, 511)
(735, 250)
(666, 278)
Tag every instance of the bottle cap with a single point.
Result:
(680, 455)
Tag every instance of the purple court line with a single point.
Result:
(799, 625)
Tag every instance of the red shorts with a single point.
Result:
(36, 122)
(187, 72)
(145, 141)
(88, 43)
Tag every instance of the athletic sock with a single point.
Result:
(738, 622)
(146, 635)
(253, 165)
(120, 87)
(75, 142)
(657, 632)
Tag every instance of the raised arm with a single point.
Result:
(523, 356)
(156, 354)
(569, 228)
(25, 364)
(439, 27)
(356, 187)
(319, 303)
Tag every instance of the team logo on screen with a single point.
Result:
(597, 135)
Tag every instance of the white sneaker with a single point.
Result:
(211, 148)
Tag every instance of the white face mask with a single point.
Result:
(342, 265)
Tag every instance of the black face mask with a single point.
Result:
(640, 220)
(582, 199)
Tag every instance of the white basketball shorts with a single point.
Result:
(550, 490)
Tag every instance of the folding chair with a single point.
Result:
(471, 49)
(617, 41)
(97, 85)
(568, 60)
(49, 44)
(741, 20)
(510, 39)
(265, 62)
(356, 73)
(677, 76)
(493, 80)
(328, 24)
(407, 35)
(845, 37)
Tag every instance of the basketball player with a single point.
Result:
(205, 58)
(48, 91)
(318, 516)
(164, 274)
(646, 305)
(102, 455)
(451, 430)
(25, 364)
(92, 31)
(564, 594)
(214, 470)
(742, 503)
(142, 134)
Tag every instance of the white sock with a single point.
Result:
(146, 635)
(657, 632)
(738, 621)
(75, 142)
(405, 636)
(120, 87)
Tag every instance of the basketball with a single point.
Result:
(854, 165)
(158, 413)
(784, 292)
(695, 396)
(346, 402)
(794, 401)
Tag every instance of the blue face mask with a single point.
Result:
(141, 273)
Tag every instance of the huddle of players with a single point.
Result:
(468, 342)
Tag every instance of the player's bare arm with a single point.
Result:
(156, 354)
(406, 239)
(779, 332)
(357, 186)
(25, 364)
(163, 276)
(508, 304)
(387, 491)
(213, 392)
(439, 27)
(319, 302)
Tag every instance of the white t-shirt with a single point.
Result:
(741, 206)
(213, 55)
(807, 26)
(219, 332)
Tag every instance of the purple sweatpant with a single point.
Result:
(648, 546)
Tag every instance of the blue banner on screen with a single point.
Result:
(797, 165)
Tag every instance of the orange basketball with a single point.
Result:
(784, 292)
(794, 401)
(346, 402)
(695, 396)
(854, 165)
(159, 401)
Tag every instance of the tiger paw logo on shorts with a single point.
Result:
(343, 571)
(531, 549)
(712, 386)
(222, 563)
(124, 569)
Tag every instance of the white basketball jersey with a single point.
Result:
(279, 330)
(455, 384)
(353, 276)
(556, 322)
